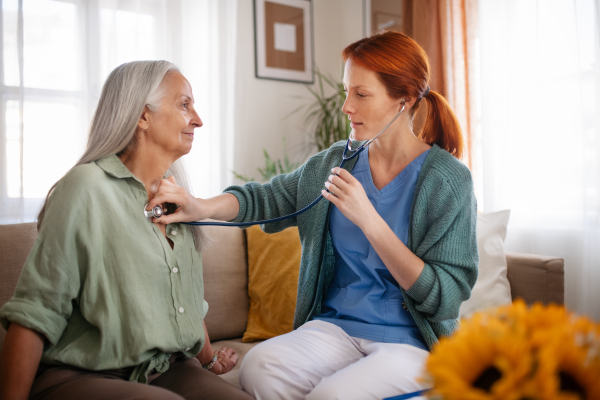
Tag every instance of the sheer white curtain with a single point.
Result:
(540, 81)
(54, 59)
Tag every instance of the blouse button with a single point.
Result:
(175, 270)
(181, 310)
(174, 233)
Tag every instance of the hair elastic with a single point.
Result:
(426, 92)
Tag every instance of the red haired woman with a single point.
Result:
(388, 260)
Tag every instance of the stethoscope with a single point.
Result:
(347, 155)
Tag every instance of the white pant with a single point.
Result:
(320, 361)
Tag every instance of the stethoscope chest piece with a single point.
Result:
(156, 212)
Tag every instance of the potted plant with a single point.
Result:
(324, 115)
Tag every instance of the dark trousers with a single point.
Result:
(185, 379)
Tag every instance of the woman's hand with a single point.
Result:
(226, 357)
(190, 208)
(226, 360)
(348, 195)
(224, 207)
(350, 198)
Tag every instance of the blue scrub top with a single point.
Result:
(364, 299)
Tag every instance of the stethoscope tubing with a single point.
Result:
(345, 157)
(268, 221)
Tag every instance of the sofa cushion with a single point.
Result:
(273, 267)
(492, 288)
(225, 282)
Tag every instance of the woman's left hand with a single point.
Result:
(348, 195)
(226, 360)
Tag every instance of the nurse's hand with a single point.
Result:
(224, 207)
(348, 195)
(190, 208)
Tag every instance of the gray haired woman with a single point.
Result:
(108, 304)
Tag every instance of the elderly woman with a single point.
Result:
(110, 305)
(387, 260)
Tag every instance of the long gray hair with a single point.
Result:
(127, 90)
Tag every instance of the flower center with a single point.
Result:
(569, 384)
(487, 378)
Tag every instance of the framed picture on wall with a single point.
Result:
(284, 40)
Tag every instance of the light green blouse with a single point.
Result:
(102, 283)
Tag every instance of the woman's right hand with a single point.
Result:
(224, 207)
(190, 208)
(226, 360)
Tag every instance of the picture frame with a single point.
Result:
(283, 34)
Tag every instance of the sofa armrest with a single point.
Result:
(536, 278)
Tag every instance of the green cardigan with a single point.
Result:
(441, 233)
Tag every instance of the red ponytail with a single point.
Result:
(403, 66)
(441, 125)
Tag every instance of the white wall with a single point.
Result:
(262, 104)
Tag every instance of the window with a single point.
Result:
(42, 107)
(541, 133)
(56, 55)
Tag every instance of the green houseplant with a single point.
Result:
(328, 123)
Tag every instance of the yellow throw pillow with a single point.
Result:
(273, 264)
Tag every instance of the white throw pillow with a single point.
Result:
(492, 288)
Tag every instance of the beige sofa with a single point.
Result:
(534, 278)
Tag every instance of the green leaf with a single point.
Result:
(242, 177)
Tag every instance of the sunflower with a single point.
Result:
(516, 353)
